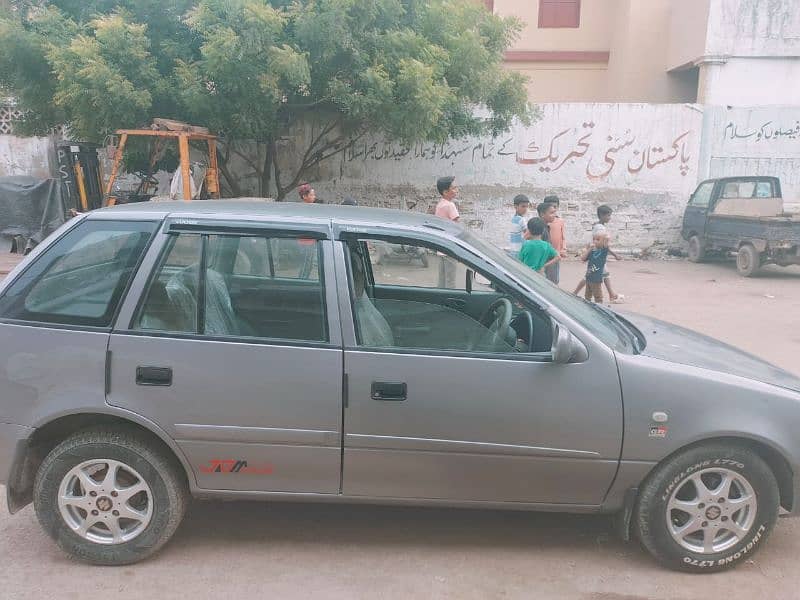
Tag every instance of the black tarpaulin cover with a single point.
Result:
(30, 207)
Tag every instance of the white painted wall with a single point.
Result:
(25, 156)
(757, 141)
(751, 82)
(642, 159)
(754, 28)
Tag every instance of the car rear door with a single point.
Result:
(248, 384)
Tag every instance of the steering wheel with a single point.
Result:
(526, 315)
(497, 320)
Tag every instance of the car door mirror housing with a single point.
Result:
(566, 347)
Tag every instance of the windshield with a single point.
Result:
(600, 321)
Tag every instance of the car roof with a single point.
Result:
(259, 209)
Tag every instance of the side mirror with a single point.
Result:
(566, 347)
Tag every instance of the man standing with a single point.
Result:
(447, 209)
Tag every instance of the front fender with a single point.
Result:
(702, 404)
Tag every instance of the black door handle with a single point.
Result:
(154, 376)
(389, 392)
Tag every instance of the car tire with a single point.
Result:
(697, 252)
(84, 509)
(675, 517)
(748, 260)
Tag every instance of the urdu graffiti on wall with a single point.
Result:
(613, 152)
(473, 149)
(768, 131)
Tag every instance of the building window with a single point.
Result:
(559, 13)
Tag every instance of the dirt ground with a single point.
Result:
(254, 550)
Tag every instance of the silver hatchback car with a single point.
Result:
(241, 350)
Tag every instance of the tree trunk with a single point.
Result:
(266, 169)
(230, 179)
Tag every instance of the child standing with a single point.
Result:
(518, 224)
(535, 252)
(557, 238)
(547, 213)
(604, 213)
(595, 257)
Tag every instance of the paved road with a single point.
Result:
(250, 550)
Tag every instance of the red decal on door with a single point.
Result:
(230, 465)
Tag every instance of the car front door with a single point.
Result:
(695, 215)
(489, 424)
(237, 362)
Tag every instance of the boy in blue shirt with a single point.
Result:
(518, 225)
(535, 252)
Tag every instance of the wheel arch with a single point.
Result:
(774, 458)
(47, 435)
(760, 246)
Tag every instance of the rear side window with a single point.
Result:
(81, 278)
(238, 286)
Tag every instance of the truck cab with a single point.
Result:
(744, 217)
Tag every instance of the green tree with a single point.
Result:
(254, 71)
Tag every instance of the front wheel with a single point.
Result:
(708, 508)
(109, 497)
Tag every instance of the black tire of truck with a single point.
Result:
(748, 260)
(697, 252)
(672, 479)
(162, 474)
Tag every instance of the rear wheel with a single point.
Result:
(748, 261)
(708, 508)
(109, 497)
(697, 252)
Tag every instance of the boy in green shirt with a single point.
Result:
(535, 252)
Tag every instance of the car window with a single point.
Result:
(409, 308)
(702, 195)
(764, 190)
(81, 278)
(599, 322)
(245, 287)
(414, 265)
(171, 299)
(276, 257)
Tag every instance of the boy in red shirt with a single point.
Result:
(557, 238)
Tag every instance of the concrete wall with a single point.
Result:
(688, 30)
(564, 82)
(756, 141)
(25, 156)
(637, 69)
(634, 32)
(641, 159)
(598, 20)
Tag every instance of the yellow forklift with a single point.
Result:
(162, 131)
